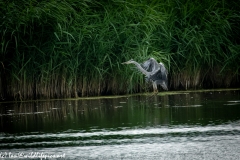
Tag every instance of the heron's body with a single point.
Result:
(154, 72)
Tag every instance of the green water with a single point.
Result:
(202, 125)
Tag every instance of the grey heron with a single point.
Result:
(155, 72)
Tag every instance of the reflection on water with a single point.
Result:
(182, 126)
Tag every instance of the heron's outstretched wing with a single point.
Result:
(160, 76)
(151, 66)
(147, 65)
(164, 72)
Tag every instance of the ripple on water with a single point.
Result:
(121, 136)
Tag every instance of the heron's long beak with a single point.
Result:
(128, 62)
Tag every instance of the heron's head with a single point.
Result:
(128, 62)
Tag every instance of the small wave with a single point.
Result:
(125, 132)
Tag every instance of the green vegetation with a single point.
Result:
(71, 48)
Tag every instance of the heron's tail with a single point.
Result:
(164, 86)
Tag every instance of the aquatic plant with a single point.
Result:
(72, 48)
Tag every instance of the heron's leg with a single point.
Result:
(155, 90)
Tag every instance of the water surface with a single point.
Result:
(182, 126)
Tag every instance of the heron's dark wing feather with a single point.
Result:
(160, 77)
(157, 75)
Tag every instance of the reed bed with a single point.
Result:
(72, 48)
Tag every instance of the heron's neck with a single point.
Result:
(141, 69)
